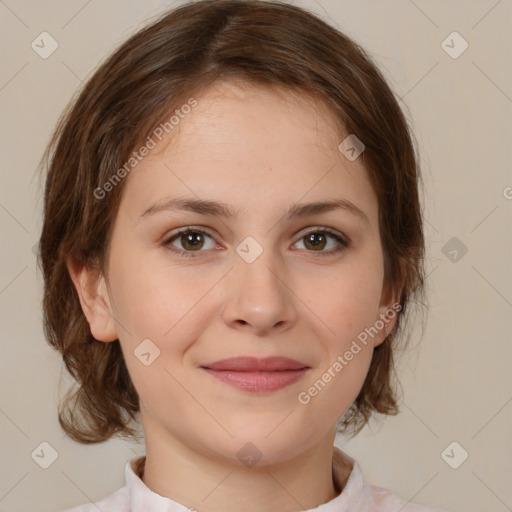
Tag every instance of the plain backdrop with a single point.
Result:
(457, 384)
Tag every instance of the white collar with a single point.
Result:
(143, 499)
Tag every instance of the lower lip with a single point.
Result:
(258, 382)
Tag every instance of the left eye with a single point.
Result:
(318, 238)
(192, 240)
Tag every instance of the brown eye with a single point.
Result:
(318, 239)
(315, 241)
(191, 240)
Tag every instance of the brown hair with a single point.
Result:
(269, 43)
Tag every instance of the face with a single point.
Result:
(261, 277)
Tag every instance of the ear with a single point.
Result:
(92, 292)
(389, 308)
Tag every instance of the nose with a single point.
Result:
(259, 296)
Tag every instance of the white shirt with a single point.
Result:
(356, 496)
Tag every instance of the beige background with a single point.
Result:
(457, 386)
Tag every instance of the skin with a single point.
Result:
(260, 152)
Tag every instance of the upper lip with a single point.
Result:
(254, 364)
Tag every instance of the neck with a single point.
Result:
(210, 484)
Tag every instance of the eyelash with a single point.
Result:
(344, 244)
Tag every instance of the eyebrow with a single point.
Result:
(218, 209)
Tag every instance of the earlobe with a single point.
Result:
(92, 292)
(387, 321)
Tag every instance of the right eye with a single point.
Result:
(191, 240)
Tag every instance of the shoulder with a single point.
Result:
(119, 501)
(383, 500)
(359, 496)
(116, 502)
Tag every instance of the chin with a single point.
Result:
(263, 445)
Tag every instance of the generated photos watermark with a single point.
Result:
(304, 397)
(136, 157)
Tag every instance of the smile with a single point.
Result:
(257, 375)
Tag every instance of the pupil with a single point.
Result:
(192, 239)
(320, 242)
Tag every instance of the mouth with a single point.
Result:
(257, 375)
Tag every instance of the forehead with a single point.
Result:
(234, 112)
(250, 144)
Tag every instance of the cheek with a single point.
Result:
(149, 297)
(348, 300)
(167, 305)
(335, 386)
(352, 307)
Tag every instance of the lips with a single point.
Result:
(257, 375)
(253, 364)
